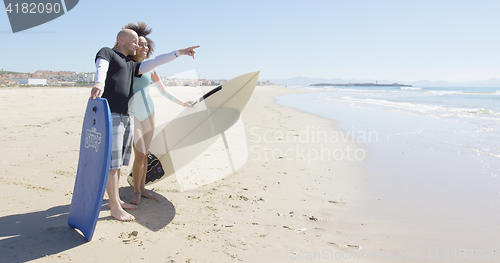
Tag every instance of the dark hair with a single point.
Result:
(143, 30)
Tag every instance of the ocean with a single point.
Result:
(437, 149)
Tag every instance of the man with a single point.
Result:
(114, 80)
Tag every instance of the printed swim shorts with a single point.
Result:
(123, 127)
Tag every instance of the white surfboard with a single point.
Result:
(180, 141)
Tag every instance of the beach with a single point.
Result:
(431, 165)
(272, 209)
(308, 192)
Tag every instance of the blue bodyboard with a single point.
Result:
(93, 167)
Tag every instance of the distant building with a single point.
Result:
(89, 77)
(4, 83)
(30, 81)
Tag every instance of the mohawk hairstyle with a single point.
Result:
(142, 29)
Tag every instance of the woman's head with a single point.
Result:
(146, 45)
(142, 52)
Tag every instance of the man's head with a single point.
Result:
(143, 30)
(126, 42)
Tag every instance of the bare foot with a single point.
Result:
(148, 195)
(125, 205)
(136, 199)
(121, 215)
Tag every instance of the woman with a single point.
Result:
(144, 117)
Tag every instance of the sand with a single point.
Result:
(284, 203)
(302, 195)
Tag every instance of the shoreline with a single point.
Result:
(423, 196)
(296, 198)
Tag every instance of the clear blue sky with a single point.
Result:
(450, 40)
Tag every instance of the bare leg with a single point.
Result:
(115, 204)
(148, 137)
(143, 134)
(138, 172)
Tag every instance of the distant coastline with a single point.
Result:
(361, 85)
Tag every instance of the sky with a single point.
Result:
(450, 40)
